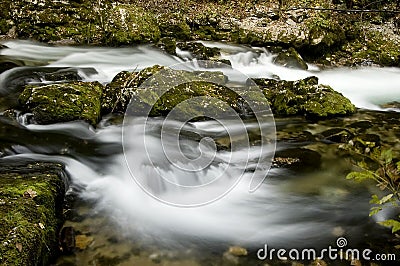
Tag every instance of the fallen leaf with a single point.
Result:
(30, 193)
(19, 247)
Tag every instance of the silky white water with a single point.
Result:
(278, 213)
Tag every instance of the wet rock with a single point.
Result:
(296, 137)
(305, 97)
(9, 63)
(336, 135)
(29, 225)
(366, 142)
(363, 125)
(168, 44)
(67, 239)
(63, 102)
(291, 59)
(392, 105)
(16, 79)
(198, 50)
(298, 159)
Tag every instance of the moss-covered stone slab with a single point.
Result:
(31, 198)
(63, 102)
(305, 97)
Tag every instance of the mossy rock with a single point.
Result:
(198, 50)
(305, 97)
(63, 102)
(173, 25)
(168, 44)
(31, 198)
(125, 85)
(193, 99)
(291, 59)
(118, 93)
(129, 24)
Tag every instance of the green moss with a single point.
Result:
(4, 26)
(326, 34)
(128, 24)
(190, 99)
(118, 93)
(305, 97)
(63, 102)
(374, 47)
(291, 59)
(173, 25)
(31, 198)
(125, 85)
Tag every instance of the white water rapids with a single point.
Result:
(273, 214)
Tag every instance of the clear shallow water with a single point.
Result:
(290, 208)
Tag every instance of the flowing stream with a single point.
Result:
(290, 209)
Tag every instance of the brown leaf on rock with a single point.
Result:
(30, 193)
(19, 247)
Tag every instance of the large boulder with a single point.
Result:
(305, 97)
(63, 102)
(189, 100)
(31, 198)
(125, 85)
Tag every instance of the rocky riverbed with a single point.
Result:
(57, 110)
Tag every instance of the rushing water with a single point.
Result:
(303, 208)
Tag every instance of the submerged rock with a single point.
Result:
(237, 251)
(31, 198)
(305, 97)
(298, 159)
(63, 102)
(336, 135)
